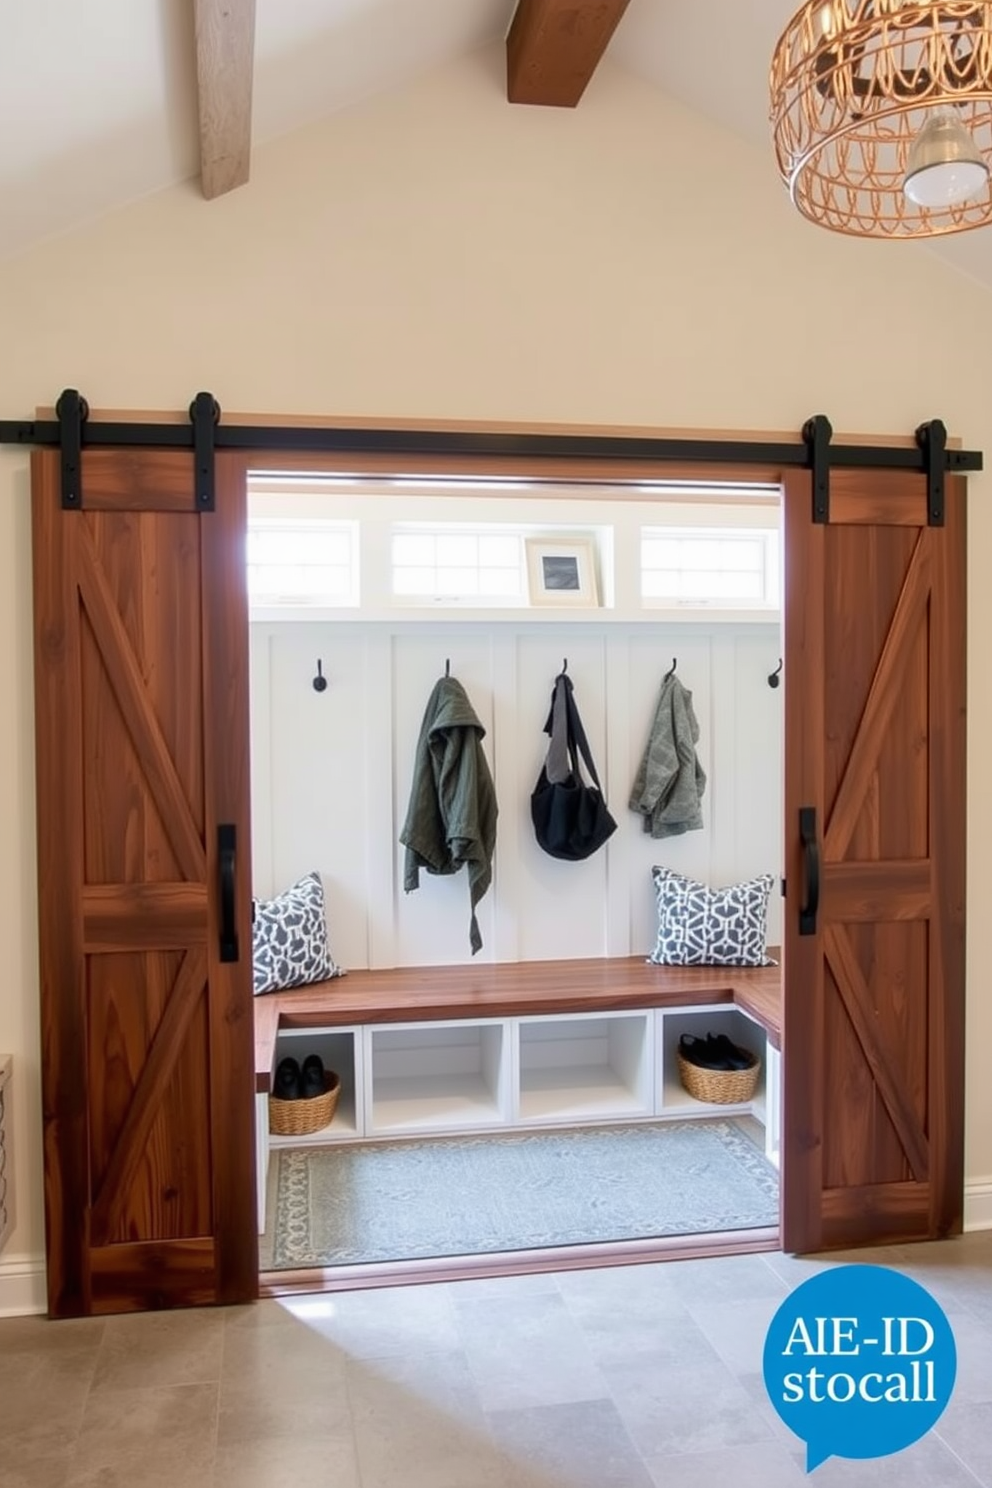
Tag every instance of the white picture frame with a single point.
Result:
(562, 571)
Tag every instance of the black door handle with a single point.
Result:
(227, 841)
(811, 855)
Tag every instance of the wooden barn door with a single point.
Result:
(873, 1125)
(141, 677)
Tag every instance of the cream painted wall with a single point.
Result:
(439, 253)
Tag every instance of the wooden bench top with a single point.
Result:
(408, 994)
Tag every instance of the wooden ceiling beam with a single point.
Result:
(554, 46)
(225, 57)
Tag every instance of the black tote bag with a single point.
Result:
(570, 817)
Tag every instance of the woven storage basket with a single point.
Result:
(719, 1087)
(299, 1118)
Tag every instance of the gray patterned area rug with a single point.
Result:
(444, 1196)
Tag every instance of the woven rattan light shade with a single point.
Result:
(852, 83)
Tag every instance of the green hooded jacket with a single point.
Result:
(451, 818)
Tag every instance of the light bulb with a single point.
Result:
(945, 165)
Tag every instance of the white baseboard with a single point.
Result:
(22, 1285)
(978, 1204)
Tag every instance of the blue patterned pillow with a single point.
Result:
(289, 938)
(698, 926)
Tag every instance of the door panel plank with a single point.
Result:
(147, 1277)
(143, 916)
(853, 508)
(164, 634)
(864, 1146)
(60, 870)
(857, 1000)
(882, 699)
(126, 679)
(947, 813)
(804, 1016)
(228, 785)
(139, 480)
(172, 1030)
(120, 1030)
(874, 1214)
(876, 891)
(124, 837)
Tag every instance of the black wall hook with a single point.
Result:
(320, 681)
(671, 672)
(447, 666)
(774, 677)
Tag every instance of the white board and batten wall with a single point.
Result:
(331, 775)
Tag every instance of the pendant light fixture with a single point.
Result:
(882, 115)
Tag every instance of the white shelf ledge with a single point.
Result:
(432, 1103)
(344, 1128)
(582, 1093)
(676, 1101)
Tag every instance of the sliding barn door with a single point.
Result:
(141, 678)
(875, 863)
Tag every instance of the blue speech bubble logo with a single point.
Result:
(859, 1362)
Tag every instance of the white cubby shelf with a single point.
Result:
(430, 1077)
(563, 1069)
(584, 1068)
(337, 1047)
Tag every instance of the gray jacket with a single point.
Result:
(669, 784)
(451, 818)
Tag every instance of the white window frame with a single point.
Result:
(770, 600)
(435, 531)
(298, 598)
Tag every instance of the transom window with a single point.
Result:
(452, 565)
(715, 567)
(300, 562)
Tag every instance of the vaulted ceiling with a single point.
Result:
(99, 103)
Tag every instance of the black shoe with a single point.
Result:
(701, 1053)
(313, 1077)
(288, 1081)
(734, 1057)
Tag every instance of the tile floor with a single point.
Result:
(636, 1377)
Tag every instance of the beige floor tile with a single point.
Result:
(307, 1410)
(288, 1462)
(152, 1351)
(30, 1335)
(39, 1389)
(585, 1446)
(135, 1471)
(737, 1330)
(527, 1353)
(676, 1407)
(764, 1465)
(421, 1421)
(382, 1321)
(148, 1434)
(288, 1351)
(43, 1472)
(270, 1312)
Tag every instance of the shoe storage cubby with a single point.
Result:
(673, 1099)
(437, 1077)
(340, 1050)
(584, 1067)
